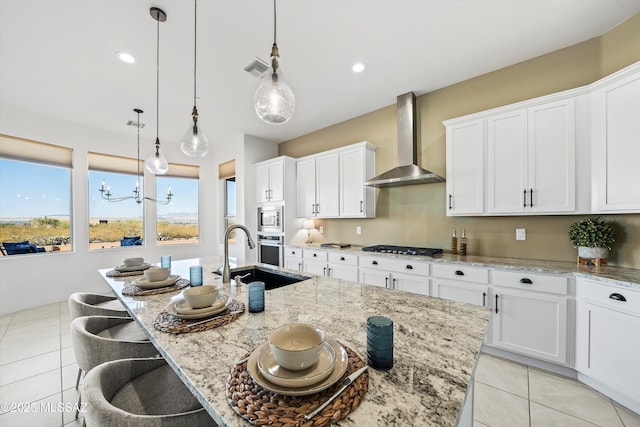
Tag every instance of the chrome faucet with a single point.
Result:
(226, 275)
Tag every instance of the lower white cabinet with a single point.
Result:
(470, 293)
(530, 323)
(331, 264)
(390, 273)
(293, 258)
(608, 340)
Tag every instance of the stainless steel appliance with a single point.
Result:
(404, 250)
(271, 249)
(270, 219)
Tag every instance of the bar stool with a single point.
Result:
(87, 304)
(140, 393)
(100, 339)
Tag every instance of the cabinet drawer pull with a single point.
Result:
(526, 281)
(524, 197)
(531, 198)
(409, 267)
(374, 262)
(361, 206)
(341, 258)
(449, 201)
(459, 273)
(315, 255)
(617, 297)
(496, 303)
(484, 299)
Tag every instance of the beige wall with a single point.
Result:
(415, 215)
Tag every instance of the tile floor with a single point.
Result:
(38, 371)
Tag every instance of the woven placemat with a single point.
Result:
(116, 273)
(260, 406)
(165, 322)
(136, 291)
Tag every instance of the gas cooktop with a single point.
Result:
(403, 250)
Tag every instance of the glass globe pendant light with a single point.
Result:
(156, 163)
(273, 100)
(194, 143)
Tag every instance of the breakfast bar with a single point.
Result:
(436, 344)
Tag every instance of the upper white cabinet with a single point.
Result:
(357, 165)
(615, 103)
(516, 160)
(465, 168)
(531, 159)
(331, 184)
(270, 178)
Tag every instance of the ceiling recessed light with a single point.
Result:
(126, 57)
(358, 67)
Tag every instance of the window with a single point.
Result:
(226, 173)
(177, 222)
(35, 195)
(114, 224)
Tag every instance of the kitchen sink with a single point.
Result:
(272, 278)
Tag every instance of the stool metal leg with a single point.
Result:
(78, 379)
(79, 403)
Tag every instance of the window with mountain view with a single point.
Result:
(177, 222)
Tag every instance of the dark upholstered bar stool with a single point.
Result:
(140, 393)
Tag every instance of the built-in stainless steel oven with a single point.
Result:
(270, 219)
(271, 249)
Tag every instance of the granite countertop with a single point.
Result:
(436, 344)
(628, 277)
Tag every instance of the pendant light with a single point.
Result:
(194, 143)
(156, 163)
(274, 101)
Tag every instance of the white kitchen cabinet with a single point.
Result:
(615, 102)
(270, 179)
(608, 340)
(318, 181)
(465, 167)
(531, 159)
(460, 283)
(357, 165)
(530, 314)
(293, 258)
(392, 273)
(342, 266)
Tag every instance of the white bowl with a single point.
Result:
(133, 262)
(156, 274)
(200, 296)
(296, 346)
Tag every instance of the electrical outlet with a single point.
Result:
(521, 234)
(358, 230)
(321, 230)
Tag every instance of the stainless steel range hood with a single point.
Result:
(408, 173)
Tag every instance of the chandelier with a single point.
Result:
(137, 193)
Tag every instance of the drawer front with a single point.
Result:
(460, 272)
(290, 252)
(616, 297)
(343, 258)
(314, 255)
(395, 265)
(534, 282)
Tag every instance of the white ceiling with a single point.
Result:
(57, 57)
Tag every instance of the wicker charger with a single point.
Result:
(165, 322)
(116, 273)
(132, 290)
(260, 406)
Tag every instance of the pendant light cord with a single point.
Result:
(274, 22)
(195, 47)
(158, 85)
(138, 111)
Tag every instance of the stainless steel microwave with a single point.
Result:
(270, 219)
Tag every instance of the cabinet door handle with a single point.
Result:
(524, 197)
(409, 267)
(496, 303)
(617, 297)
(361, 206)
(317, 208)
(315, 255)
(393, 286)
(324, 271)
(531, 198)
(526, 281)
(329, 271)
(386, 282)
(484, 299)
(341, 258)
(374, 262)
(449, 201)
(459, 273)
(299, 266)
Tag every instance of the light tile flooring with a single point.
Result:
(38, 374)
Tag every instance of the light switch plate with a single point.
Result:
(358, 230)
(521, 234)
(321, 230)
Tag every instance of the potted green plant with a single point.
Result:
(593, 237)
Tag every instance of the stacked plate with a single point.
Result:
(330, 367)
(144, 283)
(127, 269)
(182, 310)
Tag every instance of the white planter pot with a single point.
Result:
(585, 252)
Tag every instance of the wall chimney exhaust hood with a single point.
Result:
(408, 173)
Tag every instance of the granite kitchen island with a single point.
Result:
(436, 344)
